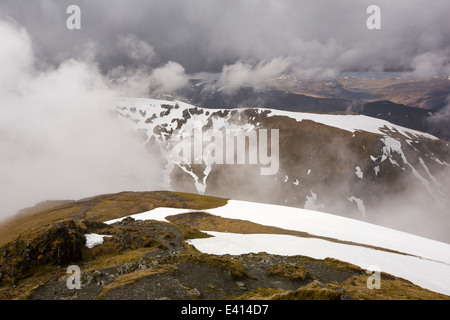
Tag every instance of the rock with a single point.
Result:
(194, 293)
(127, 220)
(97, 273)
(241, 285)
(88, 280)
(320, 284)
(154, 263)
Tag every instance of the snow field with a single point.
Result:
(422, 261)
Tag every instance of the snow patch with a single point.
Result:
(310, 203)
(411, 268)
(422, 255)
(93, 239)
(359, 203)
(353, 123)
(377, 170)
(359, 173)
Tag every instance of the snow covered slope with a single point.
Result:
(165, 121)
(422, 261)
(352, 123)
(141, 110)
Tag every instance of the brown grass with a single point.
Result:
(341, 265)
(102, 208)
(292, 271)
(391, 289)
(312, 291)
(113, 258)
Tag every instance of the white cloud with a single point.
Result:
(59, 135)
(244, 73)
(169, 78)
(15, 55)
(431, 63)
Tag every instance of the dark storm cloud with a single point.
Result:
(318, 37)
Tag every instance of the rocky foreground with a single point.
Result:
(142, 260)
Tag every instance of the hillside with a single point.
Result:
(348, 164)
(168, 250)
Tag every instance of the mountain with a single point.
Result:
(347, 164)
(387, 98)
(425, 93)
(428, 93)
(171, 245)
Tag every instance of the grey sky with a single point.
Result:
(202, 35)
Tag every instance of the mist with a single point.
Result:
(59, 135)
(441, 119)
(416, 211)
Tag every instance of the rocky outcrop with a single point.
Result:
(58, 245)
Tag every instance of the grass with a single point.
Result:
(202, 202)
(191, 233)
(354, 288)
(101, 208)
(292, 271)
(392, 288)
(26, 287)
(341, 265)
(131, 278)
(312, 291)
(31, 224)
(107, 260)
